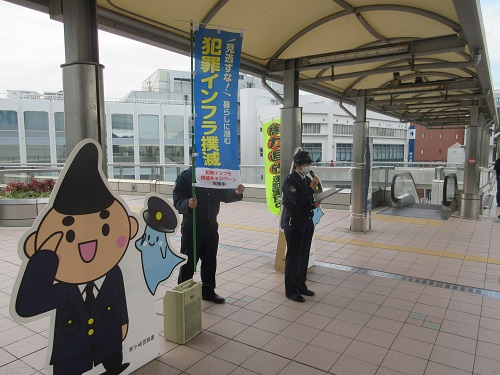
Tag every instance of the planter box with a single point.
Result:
(20, 212)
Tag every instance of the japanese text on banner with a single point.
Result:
(217, 60)
(271, 132)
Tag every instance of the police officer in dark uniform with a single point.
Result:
(496, 167)
(296, 220)
(207, 203)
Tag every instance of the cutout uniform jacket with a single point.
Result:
(80, 336)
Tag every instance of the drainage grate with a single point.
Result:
(387, 275)
(412, 279)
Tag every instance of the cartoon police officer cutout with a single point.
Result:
(70, 269)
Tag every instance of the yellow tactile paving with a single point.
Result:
(408, 220)
(408, 249)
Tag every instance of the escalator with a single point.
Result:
(406, 202)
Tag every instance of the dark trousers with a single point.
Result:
(498, 192)
(207, 243)
(298, 235)
(113, 365)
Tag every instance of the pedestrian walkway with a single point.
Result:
(411, 296)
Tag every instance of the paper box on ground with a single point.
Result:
(182, 312)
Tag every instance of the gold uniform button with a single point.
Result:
(90, 321)
(69, 322)
(109, 308)
(90, 332)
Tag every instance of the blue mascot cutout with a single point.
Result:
(158, 259)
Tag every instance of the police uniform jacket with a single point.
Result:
(80, 337)
(209, 200)
(496, 167)
(298, 198)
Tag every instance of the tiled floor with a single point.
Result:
(356, 324)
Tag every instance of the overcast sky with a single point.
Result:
(32, 50)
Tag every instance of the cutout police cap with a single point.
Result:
(82, 190)
(160, 216)
(302, 157)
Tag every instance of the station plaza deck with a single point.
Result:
(443, 318)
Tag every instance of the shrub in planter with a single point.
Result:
(32, 189)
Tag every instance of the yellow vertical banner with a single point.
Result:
(271, 132)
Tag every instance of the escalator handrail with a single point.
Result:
(393, 197)
(445, 202)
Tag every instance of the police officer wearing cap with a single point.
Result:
(296, 220)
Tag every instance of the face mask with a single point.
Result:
(305, 170)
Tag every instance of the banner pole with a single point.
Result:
(193, 153)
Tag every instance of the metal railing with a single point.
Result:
(25, 174)
(338, 176)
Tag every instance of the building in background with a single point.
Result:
(432, 144)
(152, 126)
(326, 129)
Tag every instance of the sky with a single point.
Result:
(32, 50)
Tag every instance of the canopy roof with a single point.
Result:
(418, 60)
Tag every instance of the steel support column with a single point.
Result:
(291, 138)
(82, 76)
(470, 205)
(360, 219)
(485, 144)
(291, 121)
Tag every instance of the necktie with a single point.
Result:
(89, 296)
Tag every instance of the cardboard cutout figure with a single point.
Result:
(158, 259)
(70, 272)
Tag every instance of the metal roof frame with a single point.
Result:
(433, 61)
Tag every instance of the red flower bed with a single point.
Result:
(32, 189)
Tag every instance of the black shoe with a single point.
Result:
(215, 298)
(307, 292)
(116, 371)
(295, 297)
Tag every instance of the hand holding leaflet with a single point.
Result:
(325, 194)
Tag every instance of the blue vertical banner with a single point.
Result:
(217, 62)
(411, 143)
(368, 175)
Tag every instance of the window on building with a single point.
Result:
(311, 128)
(342, 129)
(387, 132)
(149, 139)
(439, 151)
(344, 152)
(174, 154)
(440, 135)
(421, 151)
(388, 152)
(9, 137)
(60, 137)
(456, 136)
(173, 126)
(36, 127)
(182, 85)
(122, 125)
(314, 150)
(122, 128)
(423, 135)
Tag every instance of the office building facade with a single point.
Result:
(152, 126)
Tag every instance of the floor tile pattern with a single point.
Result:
(357, 323)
